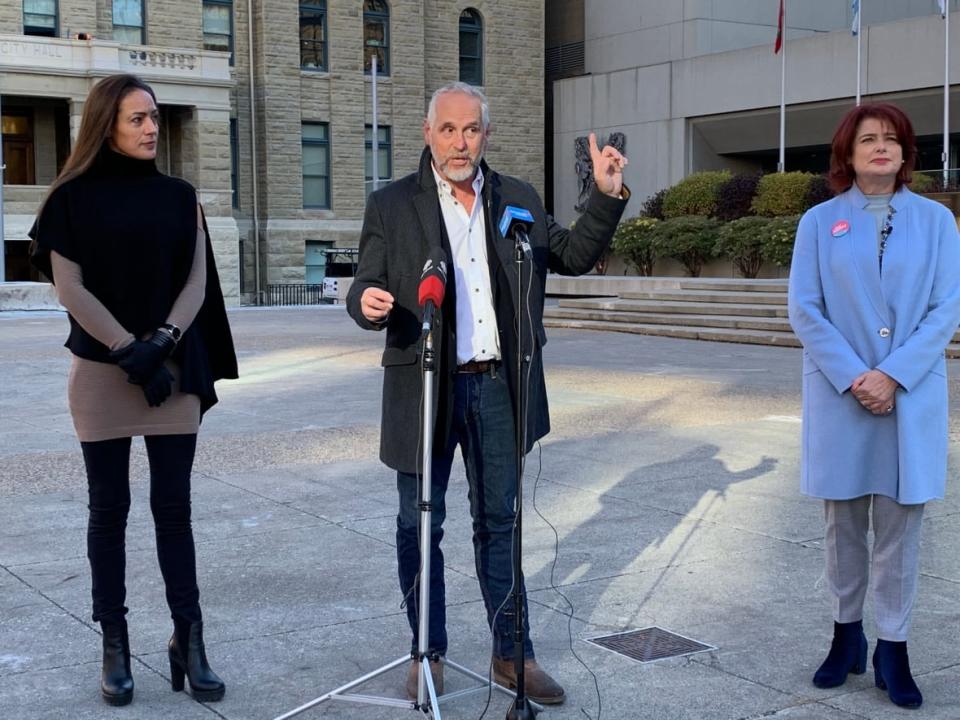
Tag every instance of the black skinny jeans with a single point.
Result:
(108, 481)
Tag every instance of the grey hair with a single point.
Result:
(465, 89)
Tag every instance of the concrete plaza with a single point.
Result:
(671, 477)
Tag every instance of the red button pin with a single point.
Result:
(841, 227)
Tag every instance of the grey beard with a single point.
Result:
(461, 174)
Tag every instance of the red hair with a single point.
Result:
(841, 175)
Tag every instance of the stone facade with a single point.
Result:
(424, 52)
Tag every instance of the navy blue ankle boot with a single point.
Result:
(848, 654)
(891, 672)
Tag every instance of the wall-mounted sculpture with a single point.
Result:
(584, 164)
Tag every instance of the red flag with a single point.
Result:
(779, 43)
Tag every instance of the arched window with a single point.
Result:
(376, 35)
(471, 47)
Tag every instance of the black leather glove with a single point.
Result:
(158, 388)
(142, 358)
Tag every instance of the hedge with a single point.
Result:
(742, 241)
(778, 237)
(689, 239)
(696, 194)
(735, 196)
(782, 194)
(635, 241)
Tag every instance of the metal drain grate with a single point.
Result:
(650, 644)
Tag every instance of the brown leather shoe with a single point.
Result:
(436, 669)
(538, 685)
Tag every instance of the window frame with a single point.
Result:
(235, 162)
(313, 142)
(477, 30)
(373, 16)
(222, 3)
(56, 21)
(143, 19)
(319, 7)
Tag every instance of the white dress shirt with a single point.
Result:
(477, 337)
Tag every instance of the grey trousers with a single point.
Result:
(895, 561)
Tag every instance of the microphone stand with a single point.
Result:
(522, 708)
(427, 701)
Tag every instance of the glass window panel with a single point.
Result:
(216, 42)
(315, 160)
(216, 19)
(315, 131)
(40, 7)
(375, 33)
(128, 35)
(40, 21)
(16, 125)
(470, 71)
(470, 44)
(315, 192)
(381, 59)
(377, 6)
(128, 12)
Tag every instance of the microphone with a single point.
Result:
(516, 223)
(433, 282)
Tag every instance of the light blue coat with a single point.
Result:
(851, 320)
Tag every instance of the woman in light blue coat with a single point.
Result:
(874, 297)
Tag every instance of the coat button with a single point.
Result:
(884, 332)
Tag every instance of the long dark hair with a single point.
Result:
(841, 170)
(99, 115)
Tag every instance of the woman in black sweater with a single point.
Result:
(128, 251)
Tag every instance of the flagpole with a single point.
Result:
(859, 35)
(783, 93)
(946, 95)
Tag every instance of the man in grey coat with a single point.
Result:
(454, 201)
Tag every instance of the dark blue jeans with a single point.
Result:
(483, 427)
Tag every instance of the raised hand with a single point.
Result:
(608, 165)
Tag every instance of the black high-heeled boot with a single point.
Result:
(116, 682)
(848, 654)
(188, 658)
(891, 672)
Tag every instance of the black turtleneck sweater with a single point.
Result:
(132, 231)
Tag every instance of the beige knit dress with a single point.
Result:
(103, 404)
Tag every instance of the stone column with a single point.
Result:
(76, 114)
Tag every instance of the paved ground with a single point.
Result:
(671, 477)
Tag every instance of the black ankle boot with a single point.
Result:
(891, 672)
(848, 654)
(116, 682)
(188, 658)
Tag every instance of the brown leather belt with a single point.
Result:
(478, 366)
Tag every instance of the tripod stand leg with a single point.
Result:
(431, 691)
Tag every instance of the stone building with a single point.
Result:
(287, 179)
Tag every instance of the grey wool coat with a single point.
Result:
(402, 223)
(850, 319)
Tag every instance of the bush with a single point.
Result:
(736, 195)
(696, 194)
(635, 242)
(818, 192)
(742, 241)
(653, 205)
(778, 237)
(782, 194)
(689, 239)
(925, 183)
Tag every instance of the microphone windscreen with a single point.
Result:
(431, 288)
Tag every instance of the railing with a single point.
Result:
(295, 294)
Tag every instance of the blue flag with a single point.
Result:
(855, 27)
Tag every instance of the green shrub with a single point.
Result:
(818, 192)
(742, 241)
(925, 183)
(696, 194)
(635, 242)
(778, 239)
(689, 239)
(782, 194)
(735, 196)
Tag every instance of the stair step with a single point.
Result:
(720, 296)
(686, 308)
(751, 337)
(714, 321)
(713, 285)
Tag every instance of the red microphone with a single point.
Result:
(433, 282)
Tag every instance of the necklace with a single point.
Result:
(885, 233)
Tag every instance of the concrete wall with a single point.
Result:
(679, 116)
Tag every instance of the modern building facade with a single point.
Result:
(695, 85)
(285, 179)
